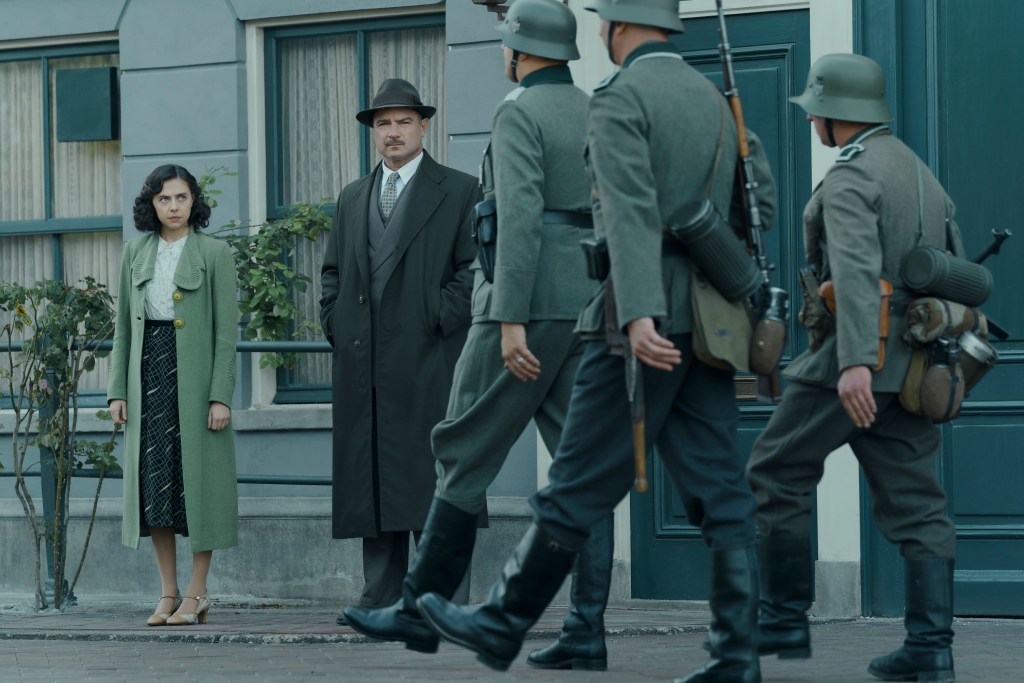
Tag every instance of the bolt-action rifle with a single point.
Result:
(770, 304)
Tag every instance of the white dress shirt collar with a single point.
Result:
(405, 173)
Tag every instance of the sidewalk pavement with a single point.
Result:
(253, 640)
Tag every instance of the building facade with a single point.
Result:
(264, 93)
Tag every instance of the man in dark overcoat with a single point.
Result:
(521, 356)
(395, 307)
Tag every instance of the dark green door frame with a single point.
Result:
(948, 64)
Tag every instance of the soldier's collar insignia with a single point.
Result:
(849, 152)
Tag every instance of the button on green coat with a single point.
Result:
(205, 344)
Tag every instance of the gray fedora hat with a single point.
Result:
(395, 93)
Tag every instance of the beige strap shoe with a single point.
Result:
(159, 618)
(180, 618)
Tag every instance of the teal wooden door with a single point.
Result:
(771, 53)
(953, 80)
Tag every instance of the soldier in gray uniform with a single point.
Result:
(521, 355)
(861, 221)
(660, 137)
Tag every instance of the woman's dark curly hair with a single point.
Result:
(145, 214)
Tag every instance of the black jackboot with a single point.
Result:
(443, 556)
(495, 629)
(580, 645)
(787, 589)
(927, 653)
(732, 637)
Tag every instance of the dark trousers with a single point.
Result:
(691, 418)
(386, 555)
(897, 454)
(385, 563)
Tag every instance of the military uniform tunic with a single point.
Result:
(654, 131)
(858, 225)
(533, 167)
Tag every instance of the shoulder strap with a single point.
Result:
(718, 150)
(920, 202)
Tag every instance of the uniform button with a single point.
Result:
(179, 323)
(177, 296)
(357, 343)
(362, 299)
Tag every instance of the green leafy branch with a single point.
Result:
(268, 282)
(61, 327)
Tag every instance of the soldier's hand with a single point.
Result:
(518, 359)
(855, 393)
(650, 347)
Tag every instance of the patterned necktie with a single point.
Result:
(389, 197)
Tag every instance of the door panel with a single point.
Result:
(947, 81)
(771, 59)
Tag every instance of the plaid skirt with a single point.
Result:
(161, 490)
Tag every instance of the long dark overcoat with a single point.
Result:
(423, 320)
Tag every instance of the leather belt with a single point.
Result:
(575, 218)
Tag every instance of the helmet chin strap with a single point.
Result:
(611, 30)
(831, 133)
(515, 66)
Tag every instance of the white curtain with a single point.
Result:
(320, 99)
(418, 57)
(86, 182)
(21, 142)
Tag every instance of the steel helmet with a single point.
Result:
(846, 87)
(663, 14)
(544, 28)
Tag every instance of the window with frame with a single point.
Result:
(60, 202)
(318, 78)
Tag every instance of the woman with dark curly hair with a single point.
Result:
(177, 300)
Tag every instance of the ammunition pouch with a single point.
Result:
(827, 294)
(712, 245)
(485, 234)
(595, 251)
(932, 272)
(951, 355)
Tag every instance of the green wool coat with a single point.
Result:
(206, 329)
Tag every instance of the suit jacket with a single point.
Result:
(420, 330)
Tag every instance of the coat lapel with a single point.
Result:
(189, 273)
(426, 194)
(360, 220)
(144, 262)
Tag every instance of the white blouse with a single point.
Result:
(159, 304)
